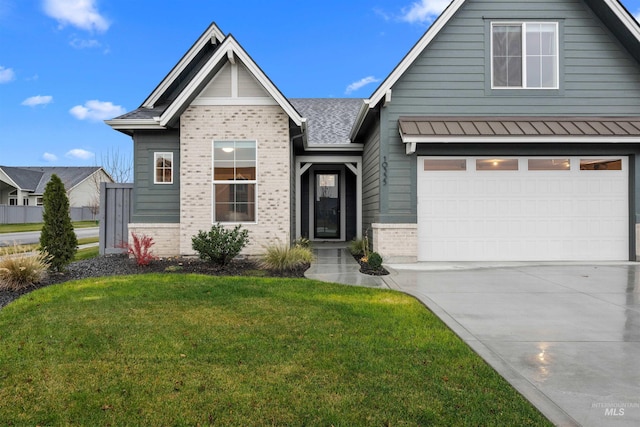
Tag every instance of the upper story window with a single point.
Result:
(163, 168)
(524, 55)
(234, 181)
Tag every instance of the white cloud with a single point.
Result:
(50, 157)
(37, 100)
(97, 111)
(79, 153)
(6, 75)
(360, 84)
(424, 10)
(84, 44)
(82, 14)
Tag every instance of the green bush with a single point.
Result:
(21, 270)
(374, 260)
(220, 245)
(57, 238)
(284, 258)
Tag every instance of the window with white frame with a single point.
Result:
(234, 181)
(524, 55)
(163, 164)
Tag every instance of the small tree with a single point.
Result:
(57, 238)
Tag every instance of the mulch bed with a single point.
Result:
(366, 268)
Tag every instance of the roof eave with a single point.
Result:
(625, 17)
(334, 147)
(213, 34)
(360, 118)
(128, 126)
(415, 52)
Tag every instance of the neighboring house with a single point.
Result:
(24, 186)
(510, 131)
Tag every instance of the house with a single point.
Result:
(24, 186)
(510, 131)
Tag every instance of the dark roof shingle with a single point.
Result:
(329, 120)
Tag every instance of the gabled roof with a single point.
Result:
(35, 179)
(159, 112)
(228, 50)
(616, 11)
(212, 35)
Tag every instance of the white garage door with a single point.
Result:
(523, 209)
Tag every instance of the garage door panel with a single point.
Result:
(523, 215)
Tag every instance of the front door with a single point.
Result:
(327, 205)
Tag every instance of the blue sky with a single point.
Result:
(66, 65)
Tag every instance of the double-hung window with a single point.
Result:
(163, 168)
(524, 55)
(234, 181)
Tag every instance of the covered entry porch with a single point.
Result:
(328, 198)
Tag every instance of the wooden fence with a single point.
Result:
(116, 204)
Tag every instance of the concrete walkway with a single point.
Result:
(567, 336)
(334, 263)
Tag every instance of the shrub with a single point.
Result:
(220, 245)
(140, 249)
(57, 238)
(358, 247)
(302, 242)
(374, 260)
(284, 258)
(21, 270)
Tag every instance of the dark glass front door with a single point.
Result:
(327, 206)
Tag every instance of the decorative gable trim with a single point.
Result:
(211, 35)
(204, 76)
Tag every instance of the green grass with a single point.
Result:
(19, 228)
(35, 246)
(199, 350)
(87, 253)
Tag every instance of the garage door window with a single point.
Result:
(497, 164)
(600, 164)
(549, 164)
(445, 165)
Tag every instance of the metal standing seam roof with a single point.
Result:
(463, 126)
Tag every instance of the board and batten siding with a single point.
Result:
(452, 77)
(155, 203)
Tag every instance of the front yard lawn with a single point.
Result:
(20, 228)
(178, 349)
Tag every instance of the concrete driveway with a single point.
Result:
(566, 336)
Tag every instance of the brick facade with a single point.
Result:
(269, 127)
(396, 242)
(164, 236)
